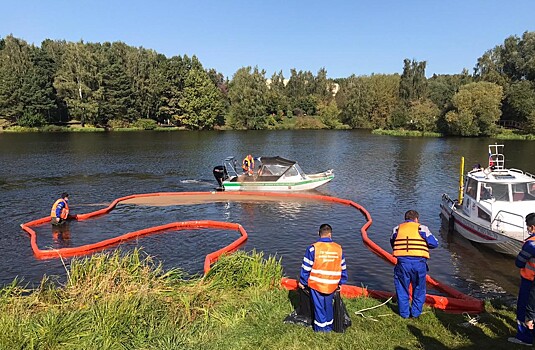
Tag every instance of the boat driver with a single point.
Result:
(248, 165)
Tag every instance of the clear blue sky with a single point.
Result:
(345, 37)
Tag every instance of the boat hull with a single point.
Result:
(263, 186)
(476, 232)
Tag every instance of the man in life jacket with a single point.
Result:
(323, 271)
(60, 210)
(411, 242)
(248, 165)
(525, 261)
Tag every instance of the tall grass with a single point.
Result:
(127, 301)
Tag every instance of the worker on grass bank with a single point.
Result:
(323, 271)
(525, 261)
(411, 242)
(60, 210)
(248, 165)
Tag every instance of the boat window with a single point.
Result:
(471, 188)
(500, 192)
(274, 169)
(291, 172)
(485, 191)
(524, 192)
(483, 214)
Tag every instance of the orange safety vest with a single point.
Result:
(528, 272)
(327, 268)
(64, 212)
(409, 242)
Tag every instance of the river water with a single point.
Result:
(386, 175)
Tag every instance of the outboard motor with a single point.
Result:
(220, 174)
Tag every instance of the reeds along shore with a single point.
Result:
(128, 301)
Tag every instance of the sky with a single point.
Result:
(344, 37)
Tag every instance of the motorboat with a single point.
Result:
(492, 204)
(275, 174)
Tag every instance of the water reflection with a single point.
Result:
(61, 235)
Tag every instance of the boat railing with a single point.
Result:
(450, 202)
(230, 166)
(499, 221)
(522, 172)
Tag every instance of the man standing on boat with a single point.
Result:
(411, 242)
(525, 261)
(248, 165)
(323, 270)
(60, 210)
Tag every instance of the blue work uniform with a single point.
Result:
(323, 302)
(412, 270)
(528, 252)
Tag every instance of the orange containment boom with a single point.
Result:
(454, 301)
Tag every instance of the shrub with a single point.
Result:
(31, 120)
(145, 124)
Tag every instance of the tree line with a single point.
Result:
(116, 85)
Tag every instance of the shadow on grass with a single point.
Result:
(490, 332)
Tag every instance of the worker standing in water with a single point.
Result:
(411, 242)
(248, 165)
(60, 210)
(323, 270)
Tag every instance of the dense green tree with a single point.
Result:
(441, 88)
(329, 114)
(520, 100)
(383, 97)
(15, 67)
(423, 116)
(476, 109)
(277, 101)
(358, 105)
(77, 81)
(38, 94)
(200, 101)
(247, 94)
(116, 100)
(413, 83)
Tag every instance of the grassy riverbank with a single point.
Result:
(112, 301)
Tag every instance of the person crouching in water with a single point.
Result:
(411, 242)
(60, 210)
(323, 271)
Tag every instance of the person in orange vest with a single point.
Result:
(525, 261)
(323, 271)
(60, 210)
(248, 165)
(411, 242)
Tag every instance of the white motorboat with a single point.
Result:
(492, 204)
(275, 174)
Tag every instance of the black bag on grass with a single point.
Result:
(341, 317)
(302, 315)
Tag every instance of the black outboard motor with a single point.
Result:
(220, 174)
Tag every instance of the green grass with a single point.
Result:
(127, 301)
(401, 132)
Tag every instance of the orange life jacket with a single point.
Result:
(64, 211)
(327, 268)
(409, 242)
(528, 272)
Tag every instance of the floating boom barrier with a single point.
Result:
(453, 301)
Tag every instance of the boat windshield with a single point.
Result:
(523, 191)
(499, 192)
